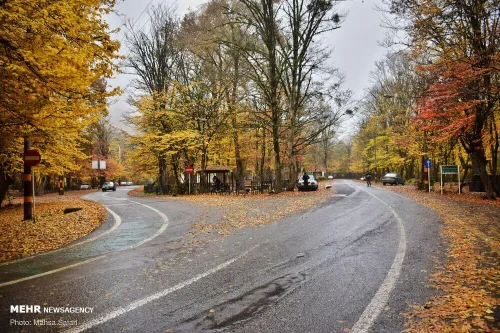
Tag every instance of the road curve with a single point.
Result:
(356, 262)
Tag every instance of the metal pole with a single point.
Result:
(429, 178)
(189, 183)
(33, 177)
(28, 187)
(458, 167)
(441, 169)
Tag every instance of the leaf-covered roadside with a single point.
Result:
(223, 214)
(52, 229)
(139, 193)
(469, 280)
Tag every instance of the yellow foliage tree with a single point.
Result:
(51, 53)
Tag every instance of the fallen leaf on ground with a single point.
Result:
(52, 229)
(469, 281)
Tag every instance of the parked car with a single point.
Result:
(85, 187)
(312, 184)
(130, 183)
(393, 179)
(330, 177)
(109, 186)
(123, 184)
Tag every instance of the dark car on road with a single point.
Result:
(109, 186)
(312, 184)
(393, 179)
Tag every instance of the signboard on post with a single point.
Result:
(189, 171)
(101, 165)
(32, 157)
(450, 170)
(428, 163)
(428, 166)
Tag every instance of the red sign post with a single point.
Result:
(189, 171)
(31, 158)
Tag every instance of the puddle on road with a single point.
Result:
(242, 308)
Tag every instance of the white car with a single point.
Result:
(330, 177)
(111, 186)
(85, 187)
(312, 184)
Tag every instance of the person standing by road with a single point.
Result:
(305, 178)
(368, 178)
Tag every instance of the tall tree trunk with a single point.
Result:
(240, 170)
(479, 159)
(162, 176)
(278, 187)
(262, 159)
(176, 187)
(274, 86)
(294, 167)
(494, 158)
(203, 176)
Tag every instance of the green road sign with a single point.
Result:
(449, 170)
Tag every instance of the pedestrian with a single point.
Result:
(368, 179)
(217, 184)
(305, 178)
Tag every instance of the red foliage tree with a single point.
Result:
(459, 105)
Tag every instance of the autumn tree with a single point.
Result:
(305, 71)
(184, 92)
(235, 72)
(461, 38)
(156, 59)
(266, 64)
(212, 35)
(51, 52)
(388, 138)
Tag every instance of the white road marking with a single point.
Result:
(162, 229)
(117, 217)
(381, 297)
(132, 306)
(51, 272)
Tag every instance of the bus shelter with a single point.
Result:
(218, 179)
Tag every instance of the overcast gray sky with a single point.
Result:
(355, 44)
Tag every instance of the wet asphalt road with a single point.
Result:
(356, 262)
